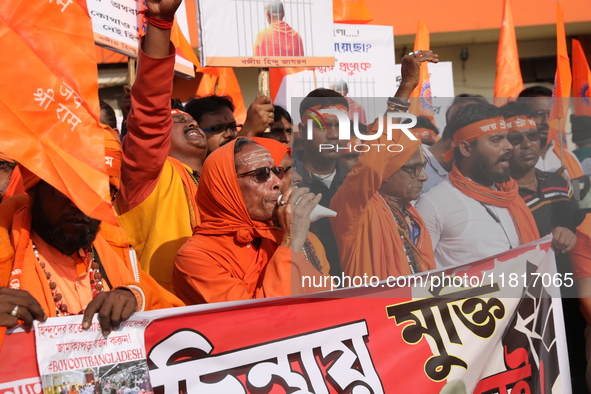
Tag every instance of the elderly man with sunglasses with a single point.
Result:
(237, 252)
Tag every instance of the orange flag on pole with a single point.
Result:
(49, 99)
(562, 78)
(581, 81)
(350, 11)
(228, 86)
(420, 102)
(508, 82)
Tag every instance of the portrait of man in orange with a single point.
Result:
(279, 38)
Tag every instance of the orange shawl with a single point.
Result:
(278, 39)
(232, 257)
(16, 252)
(15, 185)
(365, 230)
(506, 197)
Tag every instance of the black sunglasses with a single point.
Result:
(517, 138)
(262, 174)
(221, 128)
(414, 171)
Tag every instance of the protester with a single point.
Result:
(236, 252)
(581, 128)
(477, 211)
(108, 116)
(279, 38)
(282, 128)
(57, 264)
(539, 100)
(437, 167)
(318, 162)
(215, 116)
(163, 154)
(378, 231)
(313, 249)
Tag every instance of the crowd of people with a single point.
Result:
(210, 210)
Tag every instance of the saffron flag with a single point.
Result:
(420, 102)
(49, 99)
(581, 80)
(228, 86)
(350, 11)
(485, 327)
(508, 82)
(562, 79)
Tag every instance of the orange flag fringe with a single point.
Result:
(350, 11)
(420, 102)
(508, 82)
(562, 79)
(581, 80)
(50, 115)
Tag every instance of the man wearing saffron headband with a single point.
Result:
(318, 162)
(162, 157)
(539, 101)
(547, 194)
(477, 212)
(237, 253)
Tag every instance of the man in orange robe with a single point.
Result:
(278, 39)
(237, 253)
(378, 231)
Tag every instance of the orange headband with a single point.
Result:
(178, 112)
(424, 134)
(474, 131)
(520, 123)
(315, 110)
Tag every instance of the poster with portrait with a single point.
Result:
(265, 33)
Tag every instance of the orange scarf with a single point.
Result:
(506, 197)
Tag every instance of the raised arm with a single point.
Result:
(149, 124)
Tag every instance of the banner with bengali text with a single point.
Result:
(491, 326)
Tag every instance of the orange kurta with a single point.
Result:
(278, 39)
(231, 257)
(364, 228)
(16, 251)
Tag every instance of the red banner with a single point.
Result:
(489, 326)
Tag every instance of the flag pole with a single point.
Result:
(265, 87)
(131, 68)
(315, 82)
(561, 137)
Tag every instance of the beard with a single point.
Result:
(55, 236)
(483, 169)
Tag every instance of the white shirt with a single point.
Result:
(434, 171)
(461, 228)
(551, 162)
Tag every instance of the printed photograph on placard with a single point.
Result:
(119, 378)
(266, 33)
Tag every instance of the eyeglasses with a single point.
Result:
(416, 170)
(517, 138)
(262, 175)
(221, 128)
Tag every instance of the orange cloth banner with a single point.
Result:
(422, 104)
(350, 11)
(562, 79)
(508, 82)
(581, 80)
(49, 99)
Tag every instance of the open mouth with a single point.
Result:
(190, 133)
